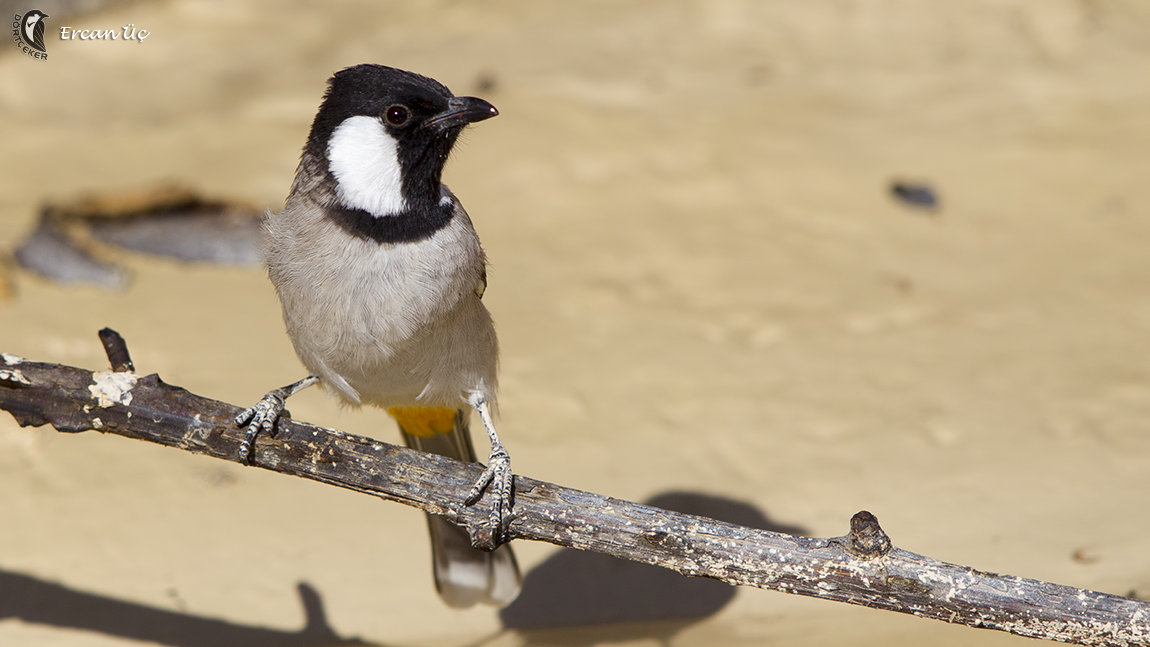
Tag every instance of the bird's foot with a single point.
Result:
(265, 415)
(261, 417)
(498, 476)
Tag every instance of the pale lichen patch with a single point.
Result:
(110, 388)
(10, 359)
(13, 376)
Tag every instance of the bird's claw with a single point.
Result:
(498, 476)
(261, 417)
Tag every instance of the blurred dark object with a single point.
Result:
(486, 82)
(183, 226)
(50, 253)
(72, 241)
(575, 588)
(919, 195)
(1085, 556)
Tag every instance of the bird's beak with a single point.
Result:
(460, 112)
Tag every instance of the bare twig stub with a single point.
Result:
(860, 568)
(117, 351)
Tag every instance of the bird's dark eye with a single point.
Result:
(397, 115)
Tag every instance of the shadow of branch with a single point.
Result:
(35, 601)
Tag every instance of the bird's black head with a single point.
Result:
(385, 135)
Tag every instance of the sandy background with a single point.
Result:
(701, 286)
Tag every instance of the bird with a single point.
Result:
(380, 275)
(33, 32)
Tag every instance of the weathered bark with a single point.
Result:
(859, 568)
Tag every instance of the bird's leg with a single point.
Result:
(265, 413)
(498, 473)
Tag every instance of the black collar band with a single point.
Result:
(407, 227)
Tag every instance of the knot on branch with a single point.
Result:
(867, 538)
(666, 540)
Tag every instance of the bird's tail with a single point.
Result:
(463, 575)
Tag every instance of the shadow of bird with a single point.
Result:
(577, 589)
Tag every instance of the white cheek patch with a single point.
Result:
(364, 159)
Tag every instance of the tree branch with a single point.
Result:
(860, 568)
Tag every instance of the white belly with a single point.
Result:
(384, 324)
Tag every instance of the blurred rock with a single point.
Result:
(51, 253)
(169, 221)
